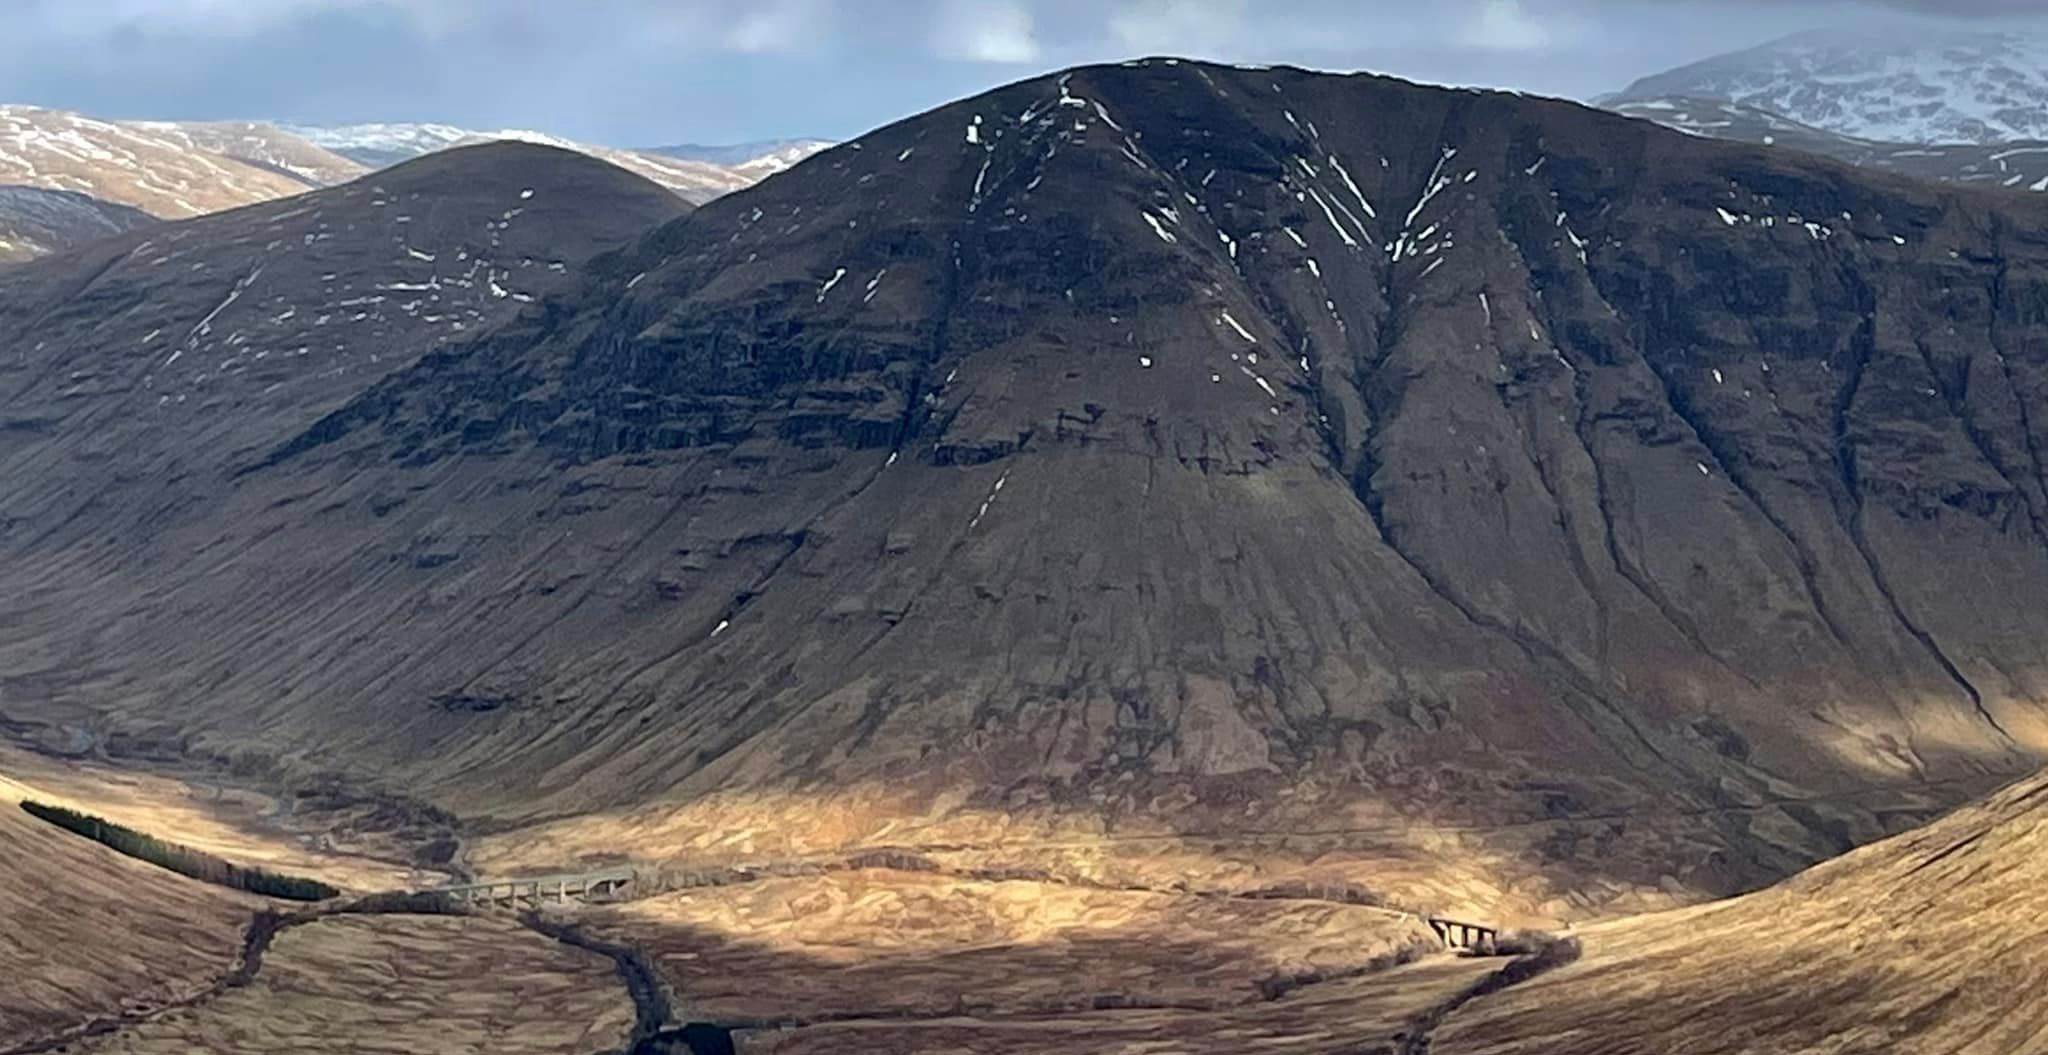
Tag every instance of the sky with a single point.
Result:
(652, 72)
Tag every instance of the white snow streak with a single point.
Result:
(1355, 192)
(1332, 217)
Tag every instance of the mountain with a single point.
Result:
(2018, 165)
(1722, 119)
(383, 145)
(167, 171)
(35, 222)
(379, 145)
(285, 305)
(1902, 86)
(265, 146)
(1909, 945)
(767, 157)
(1507, 506)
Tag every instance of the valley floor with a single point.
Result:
(1909, 943)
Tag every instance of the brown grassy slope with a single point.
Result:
(234, 823)
(1929, 942)
(881, 943)
(403, 984)
(160, 171)
(86, 932)
(1357, 1016)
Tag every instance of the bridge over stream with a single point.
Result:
(540, 890)
(1472, 937)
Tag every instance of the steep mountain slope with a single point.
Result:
(1901, 86)
(2017, 165)
(1149, 456)
(170, 171)
(144, 361)
(1922, 943)
(36, 222)
(378, 145)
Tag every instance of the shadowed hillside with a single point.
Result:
(35, 222)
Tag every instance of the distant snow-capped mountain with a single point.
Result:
(382, 144)
(1893, 86)
(766, 157)
(378, 145)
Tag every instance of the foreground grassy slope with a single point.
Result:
(237, 823)
(1929, 942)
(183, 860)
(403, 984)
(1358, 1016)
(89, 933)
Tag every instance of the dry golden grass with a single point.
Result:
(1358, 1016)
(153, 169)
(1400, 861)
(883, 942)
(402, 984)
(238, 825)
(1929, 943)
(86, 933)
(1533, 872)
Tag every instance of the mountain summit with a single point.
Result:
(1532, 507)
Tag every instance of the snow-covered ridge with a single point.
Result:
(380, 144)
(1903, 87)
(765, 158)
